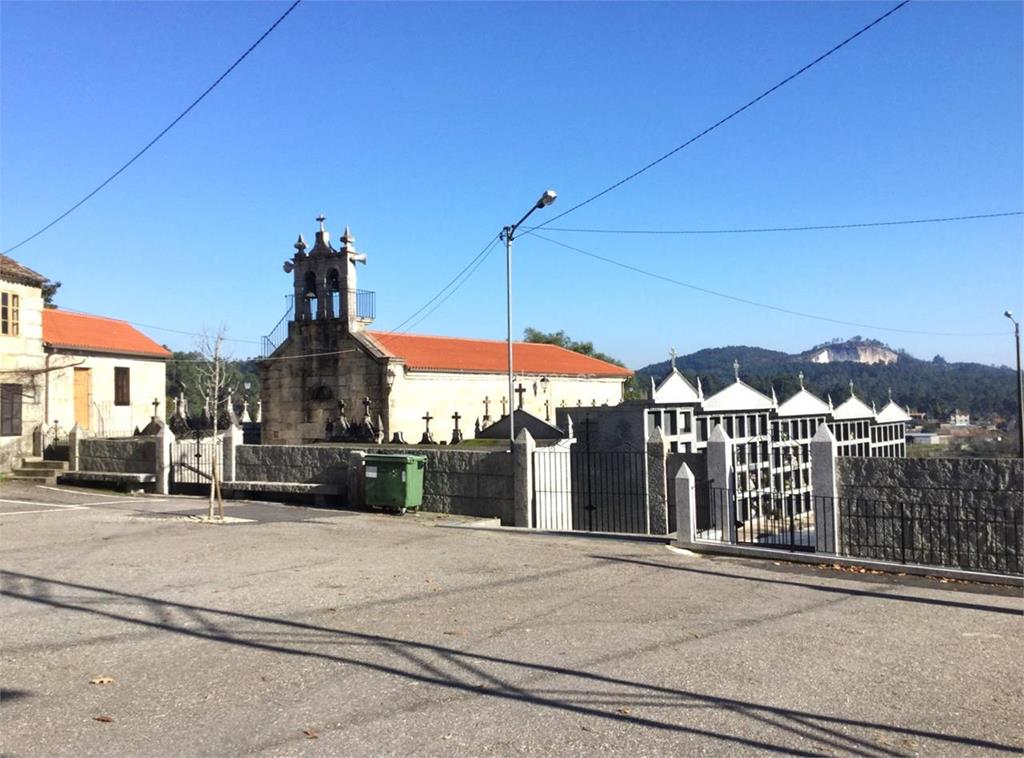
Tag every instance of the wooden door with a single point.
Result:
(83, 396)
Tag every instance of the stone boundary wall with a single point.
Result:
(128, 455)
(962, 513)
(463, 482)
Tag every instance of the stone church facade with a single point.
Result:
(332, 378)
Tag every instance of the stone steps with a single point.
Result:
(35, 470)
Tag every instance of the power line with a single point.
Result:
(785, 228)
(746, 301)
(465, 279)
(166, 129)
(479, 256)
(724, 120)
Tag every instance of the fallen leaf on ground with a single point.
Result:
(102, 680)
(446, 737)
(311, 734)
(104, 719)
(455, 632)
(624, 711)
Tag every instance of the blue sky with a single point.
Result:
(426, 127)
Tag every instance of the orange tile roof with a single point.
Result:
(81, 331)
(491, 356)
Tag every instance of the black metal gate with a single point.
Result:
(772, 489)
(585, 490)
(192, 464)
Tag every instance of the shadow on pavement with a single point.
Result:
(570, 690)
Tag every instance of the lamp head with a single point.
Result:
(1008, 314)
(547, 199)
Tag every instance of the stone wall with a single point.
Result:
(612, 428)
(465, 482)
(962, 513)
(128, 455)
(12, 449)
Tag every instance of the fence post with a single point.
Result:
(684, 492)
(720, 477)
(232, 439)
(657, 496)
(824, 491)
(522, 478)
(164, 440)
(39, 441)
(74, 437)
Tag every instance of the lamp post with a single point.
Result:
(1020, 386)
(507, 234)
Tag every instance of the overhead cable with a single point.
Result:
(755, 303)
(164, 131)
(725, 119)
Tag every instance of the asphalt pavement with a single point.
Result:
(130, 628)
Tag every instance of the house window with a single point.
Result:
(10, 410)
(9, 314)
(122, 385)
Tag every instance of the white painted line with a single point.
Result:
(51, 505)
(77, 492)
(48, 510)
(120, 502)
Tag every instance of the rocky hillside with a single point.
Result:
(855, 350)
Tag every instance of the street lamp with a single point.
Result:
(507, 234)
(1020, 386)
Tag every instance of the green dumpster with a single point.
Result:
(394, 482)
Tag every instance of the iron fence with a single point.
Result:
(971, 536)
(773, 520)
(583, 490)
(192, 464)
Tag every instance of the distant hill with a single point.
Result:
(935, 387)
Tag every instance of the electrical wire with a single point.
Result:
(726, 119)
(164, 131)
(479, 256)
(755, 303)
(863, 225)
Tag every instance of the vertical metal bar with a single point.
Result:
(903, 534)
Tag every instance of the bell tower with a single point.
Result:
(325, 281)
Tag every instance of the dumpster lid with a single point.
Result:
(393, 457)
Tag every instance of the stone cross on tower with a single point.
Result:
(890, 394)
(672, 356)
(800, 377)
(366, 407)
(736, 369)
(520, 391)
(320, 220)
(851, 388)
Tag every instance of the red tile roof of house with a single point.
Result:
(80, 331)
(491, 356)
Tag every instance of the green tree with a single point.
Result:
(631, 390)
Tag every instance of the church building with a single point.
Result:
(332, 378)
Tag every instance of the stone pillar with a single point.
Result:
(74, 437)
(232, 439)
(38, 441)
(722, 483)
(657, 495)
(522, 479)
(684, 492)
(164, 440)
(824, 491)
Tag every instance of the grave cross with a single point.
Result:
(455, 418)
(456, 433)
(428, 418)
(366, 407)
(503, 403)
(520, 390)
(672, 354)
(427, 438)
(341, 407)
(487, 407)
(156, 404)
(547, 410)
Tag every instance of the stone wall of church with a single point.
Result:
(443, 394)
(301, 395)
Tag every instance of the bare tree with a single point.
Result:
(212, 372)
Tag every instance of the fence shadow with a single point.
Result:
(827, 588)
(560, 688)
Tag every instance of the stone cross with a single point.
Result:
(890, 394)
(341, 407)
(320, 219)
(504, 401)
(547, 410)
(672, 354)
(800, 376)
(366, 407)
(455, 418)
(736, 369)
(427, 438)
(156, 404)
(456, 433)
(520, 390)
(428, 418)
(487, 407)
(851, 388)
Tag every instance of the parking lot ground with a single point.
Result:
(302, 631)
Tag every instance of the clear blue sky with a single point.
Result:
(426, 127)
